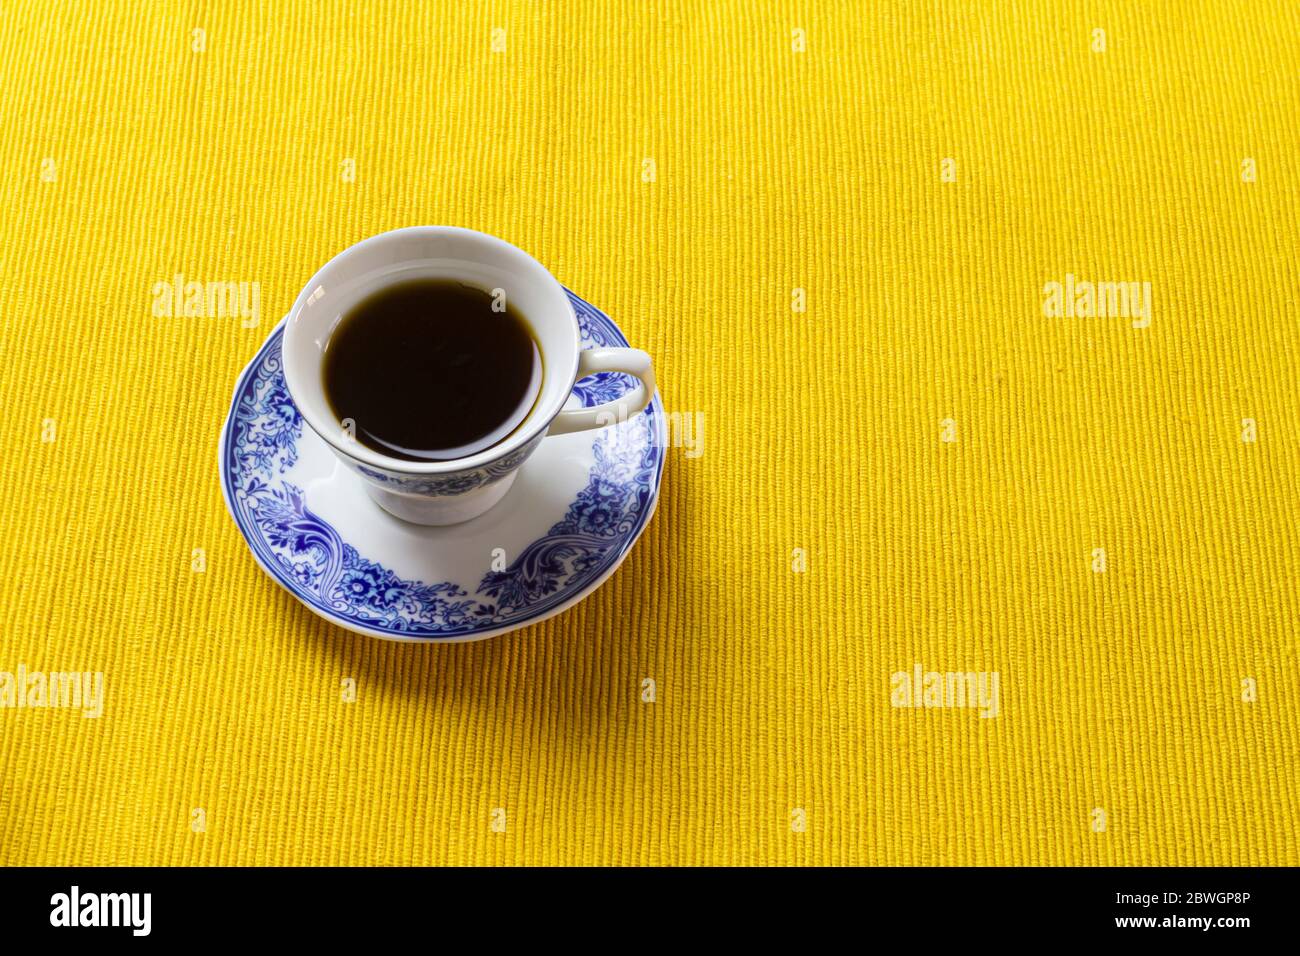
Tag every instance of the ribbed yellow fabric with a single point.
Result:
(945, 461)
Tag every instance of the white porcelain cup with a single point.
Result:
(447, 492)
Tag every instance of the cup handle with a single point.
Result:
(632, 362)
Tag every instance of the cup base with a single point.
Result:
(435, 512)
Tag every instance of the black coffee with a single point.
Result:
(427, 370)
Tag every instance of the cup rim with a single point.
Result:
(538, 421)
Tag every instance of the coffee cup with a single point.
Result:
(451, 491)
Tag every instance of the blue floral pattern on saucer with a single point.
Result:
(311, 559)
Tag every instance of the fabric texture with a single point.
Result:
(836, 227)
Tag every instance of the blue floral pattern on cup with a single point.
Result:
(310, 558)
(456, 483)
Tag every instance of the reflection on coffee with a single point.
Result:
(432, 369)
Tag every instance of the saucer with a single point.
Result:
(566, 524)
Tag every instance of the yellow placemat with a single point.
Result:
(837, 231)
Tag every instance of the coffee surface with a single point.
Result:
(431, 370)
